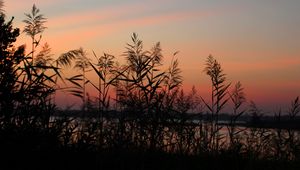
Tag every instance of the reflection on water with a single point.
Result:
(184, 137)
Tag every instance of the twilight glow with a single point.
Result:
(257, 42)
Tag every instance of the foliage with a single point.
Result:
(219, 99)
(10, 58)
(150, 117)
(35, 22)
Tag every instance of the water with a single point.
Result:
(190, 137)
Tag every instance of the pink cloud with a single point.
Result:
(20, 5)
(92, 17)
(81, 32)
(272, 64)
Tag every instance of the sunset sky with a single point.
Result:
(257, 42)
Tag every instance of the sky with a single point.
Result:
(257, 42)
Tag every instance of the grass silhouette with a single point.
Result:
(152, 125)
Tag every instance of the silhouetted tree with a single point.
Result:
(25, 108)
(255, 114)
(10, 58)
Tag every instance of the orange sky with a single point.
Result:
(257, 43)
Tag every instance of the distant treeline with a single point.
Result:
(224, 119)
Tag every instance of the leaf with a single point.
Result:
(74, 80)
(97, 71)
(206, 104)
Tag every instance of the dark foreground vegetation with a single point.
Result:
(140, 118)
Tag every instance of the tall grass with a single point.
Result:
(152, 118)
(154, 114)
